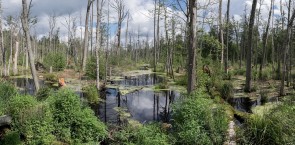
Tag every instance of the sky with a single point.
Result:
(140, 12)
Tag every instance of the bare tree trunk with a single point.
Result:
(155, 40)
(86, 33)
(192, 46)
(265, 37)
(287, 42)
(249, 47)
(15, 59)
(97, 42)
(221, 31)
(227, 31)
(1, 42)
(119, 6)
(24, 19)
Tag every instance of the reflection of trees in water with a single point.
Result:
(169, 99)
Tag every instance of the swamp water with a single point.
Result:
(143, 105)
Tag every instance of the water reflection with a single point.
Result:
(144, 106)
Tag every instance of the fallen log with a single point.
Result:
(5, 120)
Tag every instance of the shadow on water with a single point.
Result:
(26, 85)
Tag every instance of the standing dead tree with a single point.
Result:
(86, 33)
(26, 29)
(120, 8)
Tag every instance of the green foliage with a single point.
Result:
(149, 134)
(181, 80)
(91, 94)
(11, 138)
(241, 72)
(197, 120)
(56, 60)
(91, 68)
(7, 90)
(226, 90)
(51, 77)
(210, 47)
(72, 122)
(31, 119)
(266, 74)
(87, 128)
(43, 93)
(275, 127)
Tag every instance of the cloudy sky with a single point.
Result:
(140, 11)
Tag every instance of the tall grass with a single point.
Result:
(197, 120)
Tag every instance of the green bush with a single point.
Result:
(226, 90)
(241, 72)
(91, 68)
(149, 134)
(7, 90)
(56, 60)
(91, 94)
(51, 77)
(43, 93)
(197, 120)
(31, 119)
(73, 122)
(181, 81)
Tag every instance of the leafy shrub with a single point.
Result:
(73, 123)
(91, 94)
(149, 134)
(226, 90)
(31, 119)
(181, 81)
(241, 72)
(51, 77)
(43, 93)
(197, 120)
(91, 68)
(56, 60)
(266, 74)
(7, 90)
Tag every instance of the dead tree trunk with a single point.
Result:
(26, 29)
(97, 42)
(265, 37)
(287, 44)
(249, 47)
(227, 31)
(86, 33)
(192, 46)
(221, 31)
